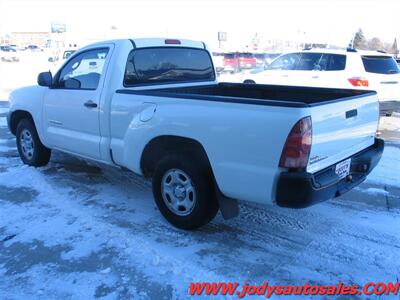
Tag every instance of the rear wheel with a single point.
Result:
(30, 148)
(184, 192)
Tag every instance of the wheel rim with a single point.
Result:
(27, 144)
(178, 192)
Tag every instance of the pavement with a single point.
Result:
(79, 230)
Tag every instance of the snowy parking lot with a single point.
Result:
(76, 230)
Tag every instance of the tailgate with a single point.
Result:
(341, 129)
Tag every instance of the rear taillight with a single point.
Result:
(358, 81)
(172, 42)
(297, 148)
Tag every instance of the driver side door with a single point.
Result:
(71, 106)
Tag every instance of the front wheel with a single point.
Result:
(30, 148)
(184, 192)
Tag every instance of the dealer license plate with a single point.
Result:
(343, 168)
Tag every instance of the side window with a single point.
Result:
(336, 62)
(83, 71)
(311, 62)
(285, 62)
(321, 62)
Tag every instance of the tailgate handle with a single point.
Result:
(351, 113)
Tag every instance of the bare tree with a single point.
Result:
(375, 44)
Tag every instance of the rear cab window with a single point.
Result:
(380, 64)
(162, 65)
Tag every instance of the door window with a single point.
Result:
(83, 71)
(309, 62)
(321, 62)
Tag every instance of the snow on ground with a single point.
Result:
(390, 123)
(387, 171)
(76, 230)
(373, 191)
(3, 110)
(3, 122)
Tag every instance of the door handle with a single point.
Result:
(351, 113)
(54, 122)
(90, 104)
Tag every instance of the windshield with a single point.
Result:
(380, 64)
(167, 65)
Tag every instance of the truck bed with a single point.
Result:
(276, 95)
(344, 121)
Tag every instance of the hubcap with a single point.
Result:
(27, 144)
(178, 192)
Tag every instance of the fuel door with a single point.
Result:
(149, 109)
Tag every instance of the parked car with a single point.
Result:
(153, 106)
(238, 61)
(56, 56)
(34, 48)
(218, 59)
(231, 62)
(67, 53)
(59, 58)
(337, 69)
(8, 53)
(247, 60)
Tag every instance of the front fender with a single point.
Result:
(29, 99)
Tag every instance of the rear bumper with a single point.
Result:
(302, 189)
(389, 107)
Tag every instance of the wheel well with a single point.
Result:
(17, 116)
(158, 147)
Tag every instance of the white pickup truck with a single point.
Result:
(154, 106)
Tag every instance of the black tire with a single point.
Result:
(39, 155)
(249, 81)
(205, 206)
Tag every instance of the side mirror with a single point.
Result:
(45, 79)
(72, 83)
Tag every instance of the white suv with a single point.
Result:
(335, 68)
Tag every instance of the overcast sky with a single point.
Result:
(313, 20)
